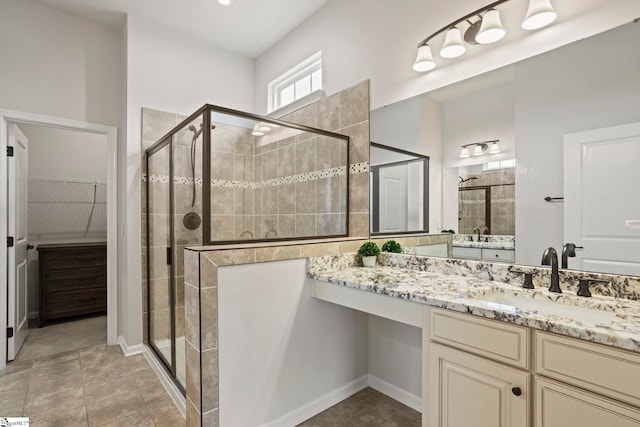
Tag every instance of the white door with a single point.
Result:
(602, 193)
(393, 198)
(17, 313)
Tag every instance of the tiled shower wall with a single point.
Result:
(503, 204)
(232, 159)
(346, 112)
(279, 189)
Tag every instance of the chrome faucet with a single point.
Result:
(550, 257)
(477, 230)
(568, 250)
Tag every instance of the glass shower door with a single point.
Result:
(160, 298)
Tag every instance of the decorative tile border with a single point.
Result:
(274, 182)
(359, 168)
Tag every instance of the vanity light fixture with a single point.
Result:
(486, 29)
(480, 148)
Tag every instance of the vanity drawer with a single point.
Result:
(492, 339)
(76, 258)
(599, 368)
(503, 255)
(73, 303)
(469, 253)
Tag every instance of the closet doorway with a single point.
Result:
(68, 189)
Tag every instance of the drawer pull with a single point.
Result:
(88, 299)
(516, 391)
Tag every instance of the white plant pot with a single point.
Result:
(369, 261)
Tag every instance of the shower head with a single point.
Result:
(196, 132)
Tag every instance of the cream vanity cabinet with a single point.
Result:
(480, 372)
(584, 384)
(475, 371)
(485, 254)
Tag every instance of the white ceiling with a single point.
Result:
(247, 27)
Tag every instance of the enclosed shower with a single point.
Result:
(224, 177)
(486, 201)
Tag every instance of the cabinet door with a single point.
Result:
(559, 405)
(466, 390)
(468, 253)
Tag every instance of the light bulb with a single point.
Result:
(494, 148)
(453, 46)
(464, 153)
(491, 29)
(478, 150)
(224, 2)
(424, 60)
(539, 14)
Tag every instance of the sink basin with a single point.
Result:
(511, 303)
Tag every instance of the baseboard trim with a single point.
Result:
(130, 350)
(307, 411)
(167, 382)
(394, 392)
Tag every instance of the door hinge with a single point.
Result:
(9, 331)
(9, 242)
(9, 151)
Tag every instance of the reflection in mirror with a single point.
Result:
(535, 107)
(486, 200)
(399, 191)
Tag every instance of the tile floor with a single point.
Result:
(65, 376)
(61, 337)
(367, 408)
(97, 386)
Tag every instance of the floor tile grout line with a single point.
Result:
(84, 396)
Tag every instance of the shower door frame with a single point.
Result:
(167, 140)
(206, 172)
(487, 202)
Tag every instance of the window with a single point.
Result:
(502, 164)
(298, 82)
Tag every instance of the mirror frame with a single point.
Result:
(375, 198)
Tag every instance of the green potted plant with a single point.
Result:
(392, 246)
(369, 252)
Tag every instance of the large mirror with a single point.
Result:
(566, 167)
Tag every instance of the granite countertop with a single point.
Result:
(462, 294)
(484, 245)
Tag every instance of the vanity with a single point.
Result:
(560, 360)
(488, 248)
